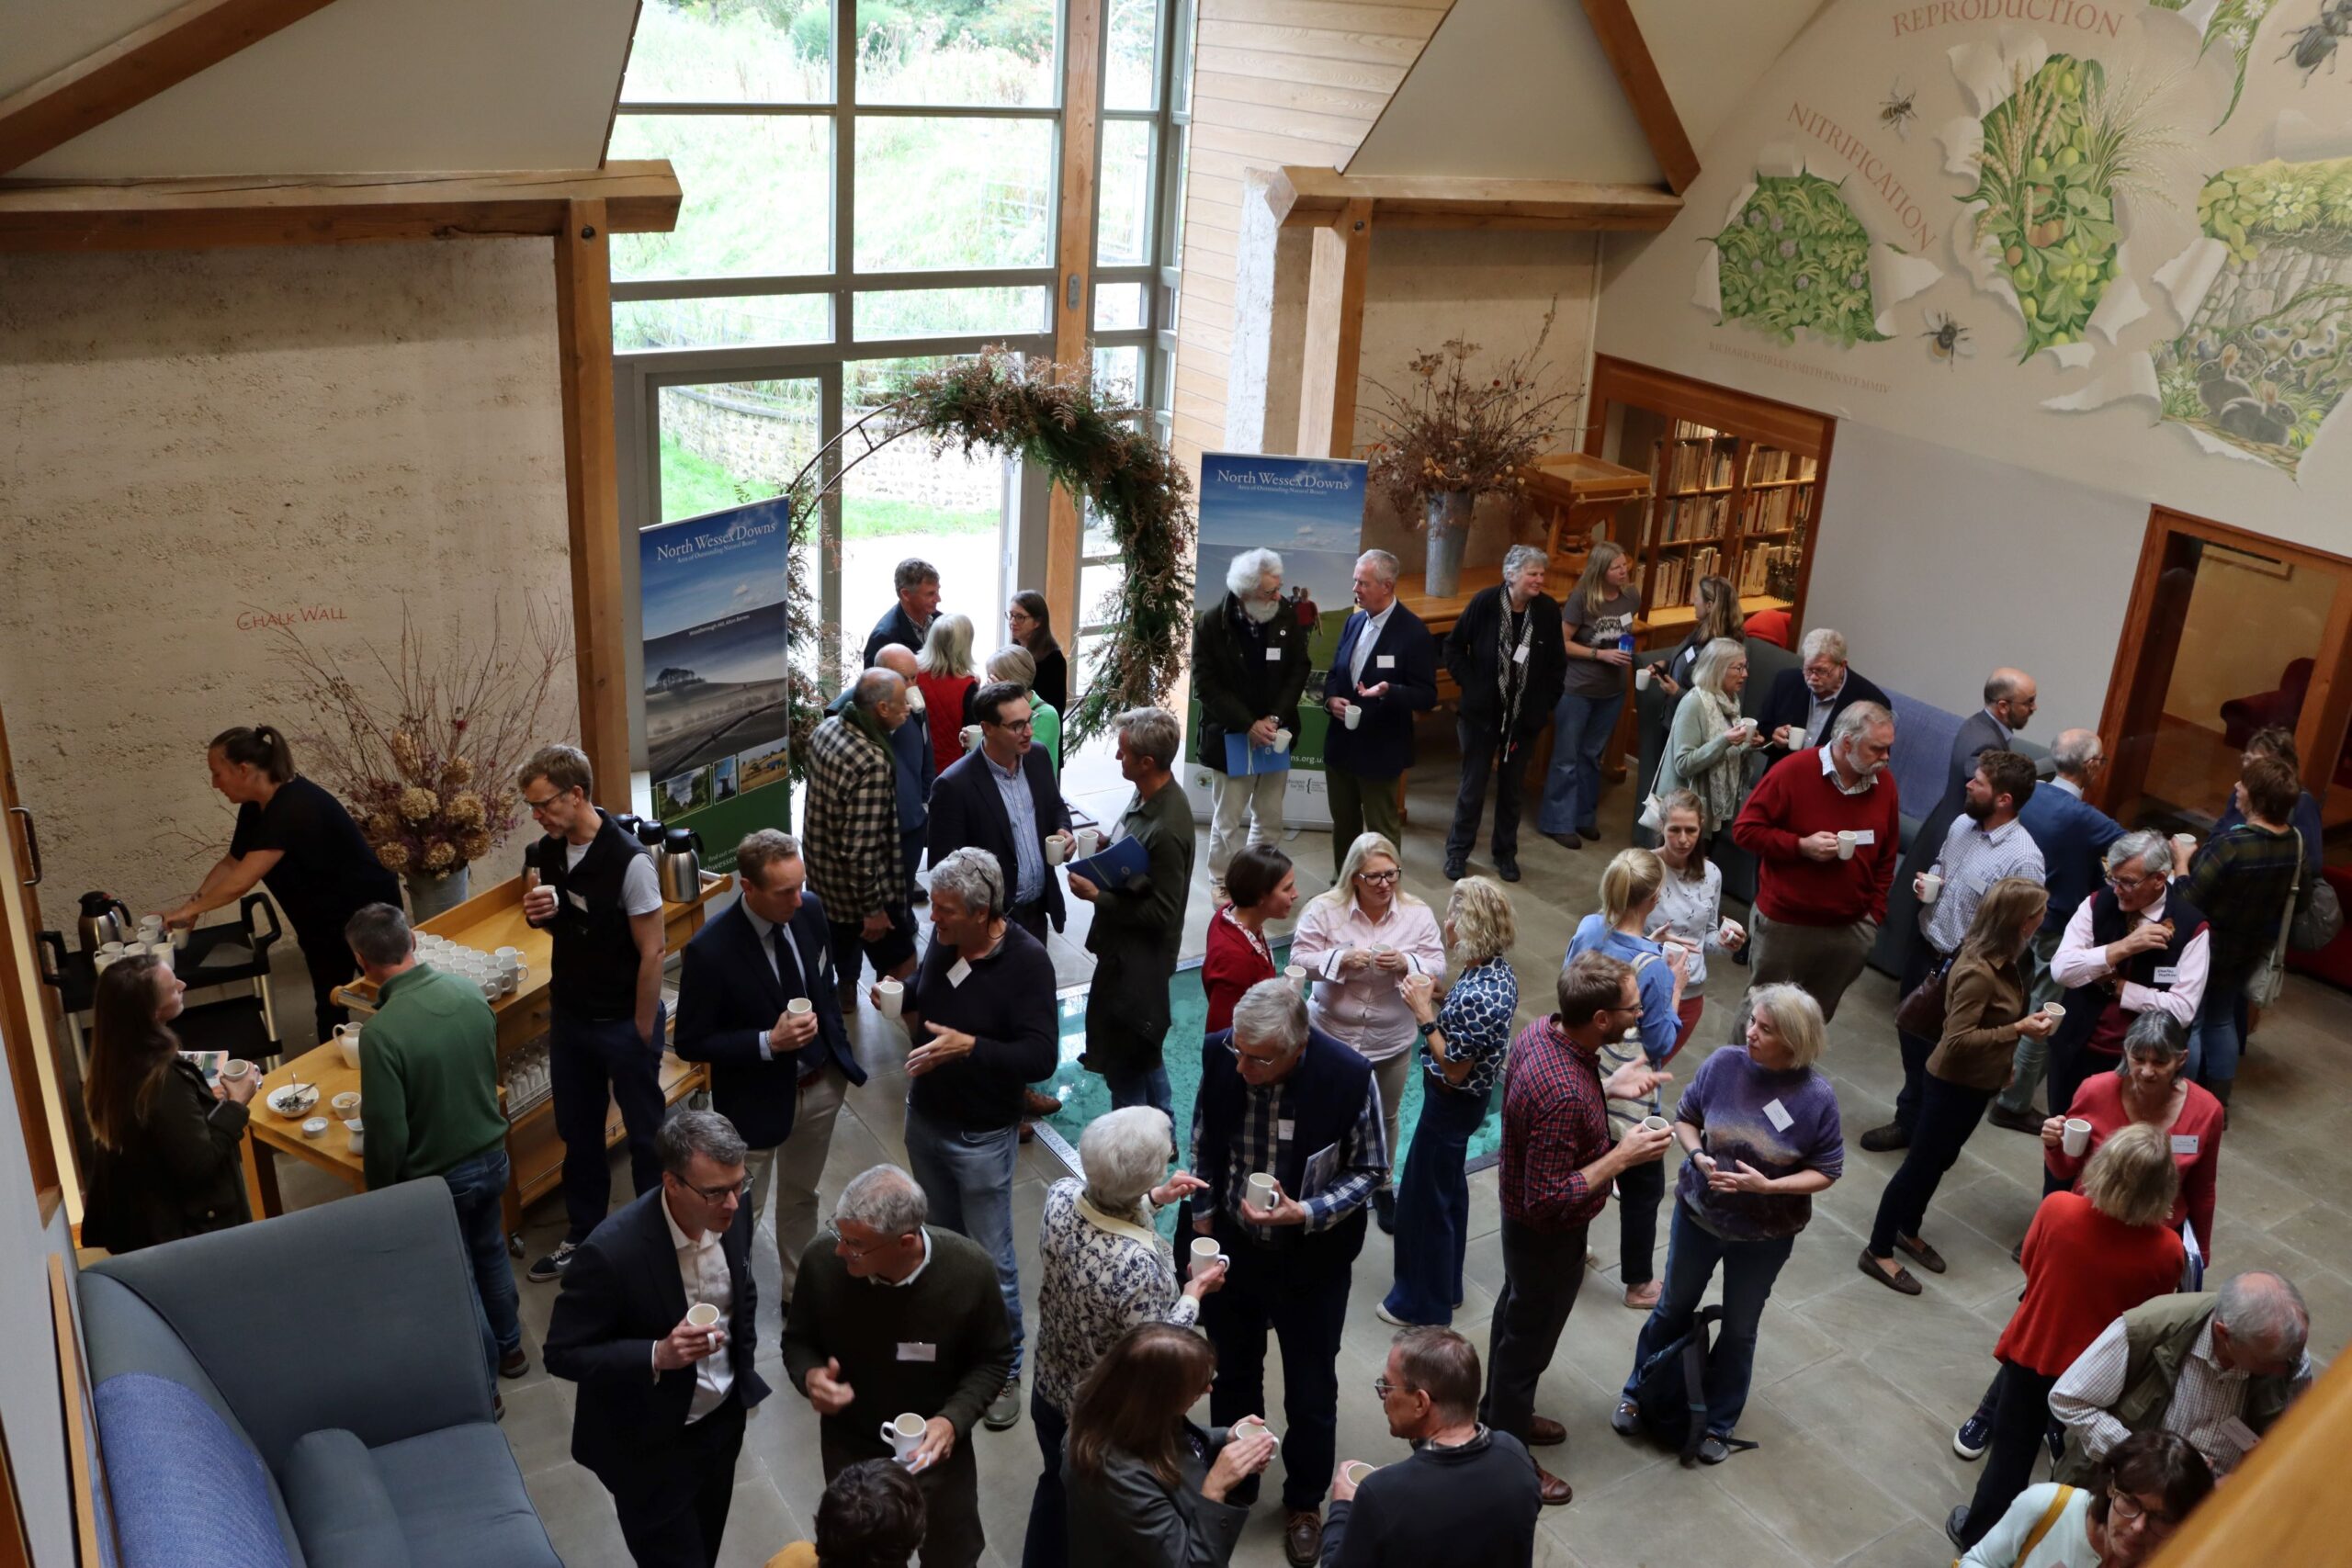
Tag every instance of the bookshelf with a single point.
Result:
(1735, 486)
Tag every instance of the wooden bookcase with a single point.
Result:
(1735, 486)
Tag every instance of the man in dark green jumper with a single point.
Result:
(892, 1316)
(428, 1095)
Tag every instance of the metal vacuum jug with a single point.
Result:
(681, 865)
(104, 919)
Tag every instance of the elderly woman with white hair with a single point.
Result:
(1105, 1271)
(1248, 672)
(1705, 749)
(1019, 666)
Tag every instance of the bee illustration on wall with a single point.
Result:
(1947, 339)
(1898, 111)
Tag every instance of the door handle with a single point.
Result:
(32, 845)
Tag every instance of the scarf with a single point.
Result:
(1513, 677)
(1718, 788)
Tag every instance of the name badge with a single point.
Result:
(1778, 1115)
(1273, 655)
(916, 1350)
(2168, 975)
(1285, 1129)
(1384, 661)
(1519, 654)
(2185, 1143)
(2237, 1434)
(1865, 836)
(959, 971)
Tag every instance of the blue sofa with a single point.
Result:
(307, 1391)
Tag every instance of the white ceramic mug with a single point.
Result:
(702, 1314)
(904, 1435)
(1931, 887)
(2075, 1138)
(1731, 932)
(1356, 1469)
(1249, 1423)
(1642, 676)
(2186, 840)
(1090, 843)
(235, 1068)
(1057, 849)
(971, 736)
(894, 998)
(1296, 974)
(1354, 717)
(490, 987)
(2055, 1009)
(1282, 739)
(1204, 1254)
(1261, 1189)
(1657, 1124)
(800, 1006)
(1846, 841)
(162, 950)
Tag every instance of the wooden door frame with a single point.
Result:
(2327, 703)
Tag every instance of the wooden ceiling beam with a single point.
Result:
(1305, 197)
(638, 196)
(168, 51)
(1637, 71)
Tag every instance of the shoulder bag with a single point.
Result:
(1922, 1012)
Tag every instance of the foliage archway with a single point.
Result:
(1095, 447)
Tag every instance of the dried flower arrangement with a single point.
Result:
(1453, 431)
(423, 747)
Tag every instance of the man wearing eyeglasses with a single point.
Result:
(1557, 1168)
(1002, 797)
(591, 888)
(659, 1418)
(2135, 944)
(1279, 1100)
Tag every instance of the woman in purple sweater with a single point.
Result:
(1758, 1127)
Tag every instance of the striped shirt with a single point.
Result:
(1975, 858)
(2202, 1399)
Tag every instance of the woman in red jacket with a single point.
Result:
(2090, 1258)
(2150, 1087)
(945, 675)
(1264, 887)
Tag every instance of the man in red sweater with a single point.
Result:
(1826, 832)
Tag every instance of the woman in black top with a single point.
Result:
(1032, 625)
(298, 839)
(167, 1163)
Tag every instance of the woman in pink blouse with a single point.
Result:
(1359, 941)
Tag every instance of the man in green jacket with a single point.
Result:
(428, 1093)
(1138, 924)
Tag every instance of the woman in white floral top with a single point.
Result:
(1107, 1270)
(1461, 1056)
(1689, 911)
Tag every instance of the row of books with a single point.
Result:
(1693, 458)
(1771, 511)
(1769, 463)
(1692, 517)
(1770, 568)
(1677, 577)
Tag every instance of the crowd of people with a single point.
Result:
(2044, 945)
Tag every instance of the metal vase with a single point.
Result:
(430, 896)
(1449, 530)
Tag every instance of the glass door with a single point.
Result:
(2228, 634)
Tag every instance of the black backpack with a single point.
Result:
(1671, 1391)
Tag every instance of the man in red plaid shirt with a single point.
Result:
(1557, 1167)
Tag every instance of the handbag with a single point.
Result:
(2269, 977)
(1922, 1012)
(2318, 922)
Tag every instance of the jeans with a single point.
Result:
(967, 1176)
(478, 1186)
(1150, 1088)
(1948, 1114)
(1750, 1268)
(1541, 1273)
(1480, 742)
(1048, 1543)
(1304, 1302)
(591, 1061)
(1581, 729)
(2020, 1415)
(1433, 1206)
(2215, 1041)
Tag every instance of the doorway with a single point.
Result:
(2228, 633)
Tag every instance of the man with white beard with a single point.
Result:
(1248, 669)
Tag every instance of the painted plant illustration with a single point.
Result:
(2057, 153)
(2231, 26)
(2268, 349)
(1794, 256)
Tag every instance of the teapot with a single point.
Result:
(681, 865)
(104, 919)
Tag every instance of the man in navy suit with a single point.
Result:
(1805, 702)
(1002, 797)
(777, 1075)
(906, 622)
(1386, 670)
(660, 1413)
(2074, 836)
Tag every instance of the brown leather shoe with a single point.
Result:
(1303, 1538)
(1543, 1432)
(1554, 1492)
(1035, 1104)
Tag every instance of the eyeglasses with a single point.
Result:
(1016, 724)
(1383, 1387)
(540, 805)
(1239, 1055)
(2126, 1507)
(854, 1254)
(1380, 879)
(718, 1194)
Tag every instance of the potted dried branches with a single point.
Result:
(1452, 435)
(423, 745)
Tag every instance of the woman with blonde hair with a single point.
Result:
(1360, 942)
(2090, 1258)
(1629, 891)
(943, 674)
(1596, 622)
(1761, 1135)
(1020, 667)
(1705, 753)
(1985, 1014)
(1690, 913)
(1463, 1044)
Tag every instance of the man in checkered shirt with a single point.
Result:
(849, 833)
